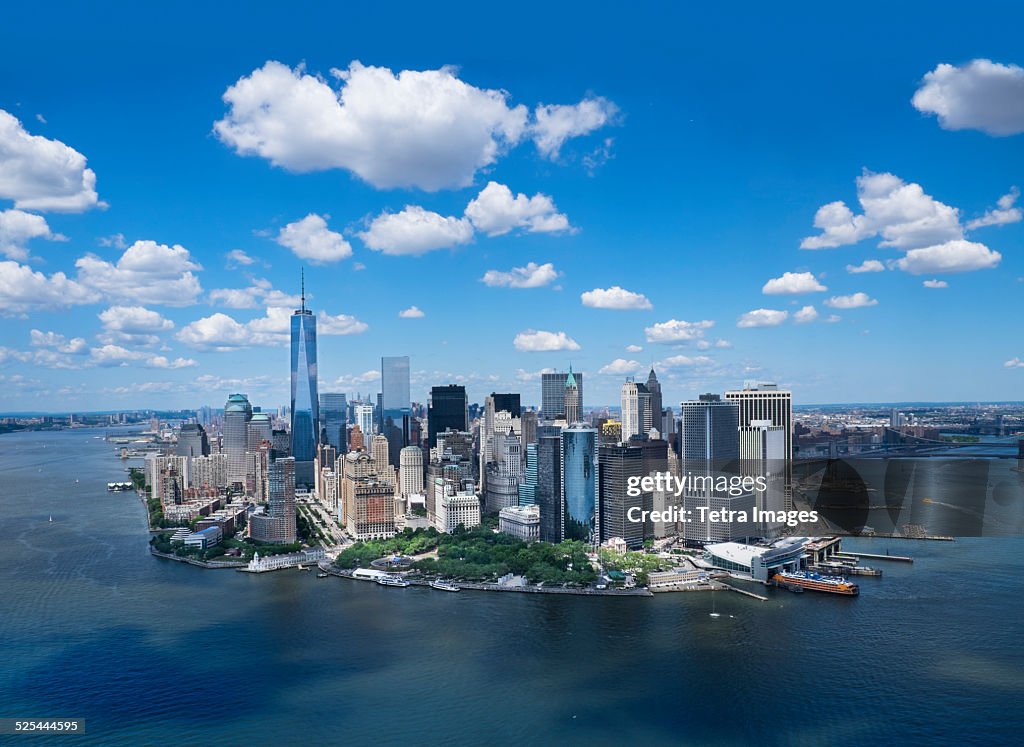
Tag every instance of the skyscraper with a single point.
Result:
(765, 401)
(364, 418)
(654, 389)
(394, 384)
(259, 430)
(709, 432)
(710, 446)
(580, 484)
(410, 475)
(237, 413)
(573, 402)
(447, 408)
(278, 523)
(305, 402)
(548, 490)
(333, 417)
(617, 463)
(192, 441)
(636, 410)
(552, 394)
(760, 401)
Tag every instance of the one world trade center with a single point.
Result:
(305, 411)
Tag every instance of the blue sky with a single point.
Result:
(681, 155)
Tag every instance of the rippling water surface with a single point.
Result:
(156, 652)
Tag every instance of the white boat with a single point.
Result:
(322, 575)
(51, 517)
(393, 581)
(443, 585)
(302, 567)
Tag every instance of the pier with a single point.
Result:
(730, 587)
(874, 556)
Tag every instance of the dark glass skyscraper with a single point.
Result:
(333, 417)
(579, 484)
(305, 404)
(447, 408)
(548, 493)
(617, 464)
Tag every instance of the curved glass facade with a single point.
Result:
(579, 484)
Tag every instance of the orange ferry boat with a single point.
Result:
(815, 582)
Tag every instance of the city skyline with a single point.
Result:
(661, 207)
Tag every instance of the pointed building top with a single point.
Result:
(570, 380)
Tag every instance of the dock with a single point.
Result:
(841, 569)
(874, 556)
(744, 592)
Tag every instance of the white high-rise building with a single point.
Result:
(762, 454)
(765, 401)
(636, 410)
(410, 470)
(456, 507)
(363, 415)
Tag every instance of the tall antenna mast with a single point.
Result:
(302, 275)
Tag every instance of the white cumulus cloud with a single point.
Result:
(311, 239)
(43, 174)
(615, 298)
(22, 289)
(868, 265)
(952, 256)
(793, 283)
(634, 348)
(530, 276)
(495, 211)
(620, 367)
(853, 301)
(533, 341)
(415, 231)
(901, 213)
(677, 330)
(147, 272)
(980, 95)
(414, 128)
(1014, 363)
(260, 294)
(425, 129)
(554, 124)
(17, 228)
(413, 312)
(237, 258)
(685, 361)
(134, 325)
(935, 284)
(805, 314)
(58, 342)
(1004, 214)
(762, 318)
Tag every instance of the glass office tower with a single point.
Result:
(333, 419)
(394, 387)
(446, 409)
(305, 403)
(579, 484)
